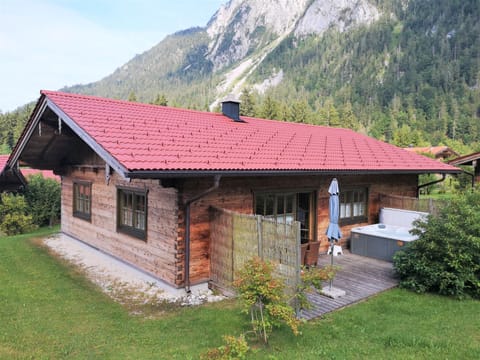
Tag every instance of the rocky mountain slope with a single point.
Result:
(235, 41)
(406, 71)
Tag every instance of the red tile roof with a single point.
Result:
(3, 161)
(26, 172)
(47, 174)
(437, 151)
(143, 137)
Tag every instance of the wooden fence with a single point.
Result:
(236, 238)
(431, 206)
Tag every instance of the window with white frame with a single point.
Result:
(353, 206)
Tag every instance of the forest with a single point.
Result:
(410, 78)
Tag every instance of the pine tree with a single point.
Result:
(349, 120)
(160, 100)
(132, 96)
(247, 106)
(300, 111)
(269, 108)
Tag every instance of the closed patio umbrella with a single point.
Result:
(333, 231)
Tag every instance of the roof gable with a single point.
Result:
(143, 138)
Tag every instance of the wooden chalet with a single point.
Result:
(440, 152)
(138, 180)
(11, 180)
(469, 160)
(14, 179)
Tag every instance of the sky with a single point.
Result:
(49, 44)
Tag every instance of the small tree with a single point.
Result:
(263, 298)
(43, 198)
(446, 257)
(13, 215)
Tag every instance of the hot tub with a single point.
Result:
(381, 241)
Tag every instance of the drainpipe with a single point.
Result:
(429, 183)
(216, 184)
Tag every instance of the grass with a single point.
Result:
(49, 311)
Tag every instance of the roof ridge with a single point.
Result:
(120, 101)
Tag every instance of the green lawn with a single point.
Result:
(48, 311)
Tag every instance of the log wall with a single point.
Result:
(162, 254)
(237, 194)
(158, 255)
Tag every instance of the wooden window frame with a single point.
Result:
(134, 229)
(80, 202)
(352, 219)
(276, 194)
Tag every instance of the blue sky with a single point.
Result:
(48, 44)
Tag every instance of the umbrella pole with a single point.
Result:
(331, 261)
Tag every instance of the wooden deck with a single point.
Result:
(360, 277)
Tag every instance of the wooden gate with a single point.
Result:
(236, 238)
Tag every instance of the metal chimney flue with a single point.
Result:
(231, 108)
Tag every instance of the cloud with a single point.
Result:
(45, 46)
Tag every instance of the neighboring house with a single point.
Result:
(138, 180)
(471, 160)
(438, 152)
(11, 179)
(47, 174)
(15, 179)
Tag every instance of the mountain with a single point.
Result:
(405, 71)
(200, 65)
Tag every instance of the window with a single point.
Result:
(353, 206)
(82, 200)
(288, 207)
(132, 212)
(278, 207)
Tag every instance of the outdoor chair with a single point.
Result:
(311, 258)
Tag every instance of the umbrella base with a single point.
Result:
(337, 250)
(332, 292)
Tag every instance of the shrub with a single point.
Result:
(13, 215)
(446, 257)
(43, 198)
(234, 348)
(313, 278)
(263, 298)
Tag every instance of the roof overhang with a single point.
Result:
(466, 159)
(51, 140)
(145, 174)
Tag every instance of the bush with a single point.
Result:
(234, 348)
(13, 215)
(43, 198)
(446, 257)
(263, 297)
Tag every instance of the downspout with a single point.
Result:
(216, 184)
(430, 183)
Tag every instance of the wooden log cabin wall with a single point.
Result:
(162, 253)
(237, 194)
(157, 254)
